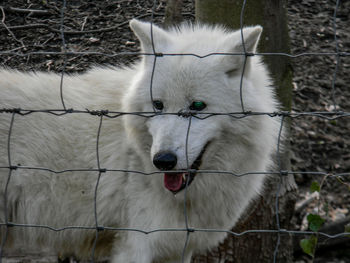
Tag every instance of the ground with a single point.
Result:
(321, 82)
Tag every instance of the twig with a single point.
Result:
(301, 206)
(30, 26)
(25, 11)
(84, 23)
(7, 28)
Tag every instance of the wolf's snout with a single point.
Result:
(165, 160)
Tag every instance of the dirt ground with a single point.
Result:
(321, 82)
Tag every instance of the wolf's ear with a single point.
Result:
(251, 36)
(233, 43)
(145, 34)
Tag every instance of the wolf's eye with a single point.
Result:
(157, 104)
(198, 105)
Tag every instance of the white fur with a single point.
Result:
(126, 199)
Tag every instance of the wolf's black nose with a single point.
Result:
(165, 160)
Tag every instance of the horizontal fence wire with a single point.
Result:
(92, 53)
(105, 113)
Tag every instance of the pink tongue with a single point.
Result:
(173, 181)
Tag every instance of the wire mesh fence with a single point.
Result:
(102, 114)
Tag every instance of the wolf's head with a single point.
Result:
(185, 81)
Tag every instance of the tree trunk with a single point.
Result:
(271, 14)
(173, 13)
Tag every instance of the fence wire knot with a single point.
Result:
(185, 113)
(14, 110)
(191, 171)
(97, 112)
(284, 173)
(190, 230)
(100, 228)
(159, 54)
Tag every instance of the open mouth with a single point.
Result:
(175, 181)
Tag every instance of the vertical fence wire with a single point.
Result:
(187, 230)
(245, 55)
(154, 53)
(186, 189)
(279, 186)
(64, 47)
(98, 228)
(334, 80)
(5, 204)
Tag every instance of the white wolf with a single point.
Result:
(126, 199)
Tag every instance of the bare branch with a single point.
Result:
(7, 28)
(26, 11)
